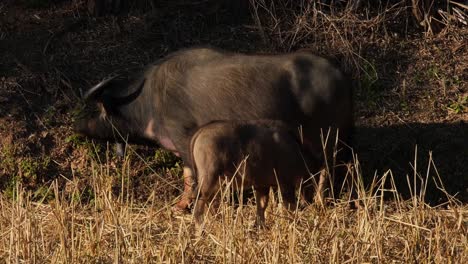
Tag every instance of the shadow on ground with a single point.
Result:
(394, 147)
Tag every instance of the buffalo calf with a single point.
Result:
(259, 154)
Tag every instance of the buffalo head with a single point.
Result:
(115, 119)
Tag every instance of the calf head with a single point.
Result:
(114, 120)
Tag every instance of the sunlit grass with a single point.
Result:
(114, 227)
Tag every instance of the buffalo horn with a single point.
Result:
(91, 93)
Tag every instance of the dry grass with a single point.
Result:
(348, 29)
(332, 29)
(113, 226)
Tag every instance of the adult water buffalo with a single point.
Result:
(192, 87)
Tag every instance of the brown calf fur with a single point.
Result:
(273, 157)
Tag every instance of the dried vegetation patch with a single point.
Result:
(113, 226)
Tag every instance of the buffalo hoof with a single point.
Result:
(182, 207)
(120, 150)
(260, 225)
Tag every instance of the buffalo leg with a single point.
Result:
(340, 181)
(188, 194)
(319, 194)
(289, 197)
(262, 203)
(308, 191)
(119, 150)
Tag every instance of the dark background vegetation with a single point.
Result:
(410, 72)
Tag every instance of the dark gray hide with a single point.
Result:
(192, 87)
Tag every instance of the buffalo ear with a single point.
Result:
(106, 94)
(102, 110)
(95, 93)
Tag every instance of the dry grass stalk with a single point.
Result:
(114, 227)
(329, 26)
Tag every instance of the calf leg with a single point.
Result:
(208, 187)
(199, 211)
(289, 197)
(308, 191)
(262, 203)
(321, 186)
